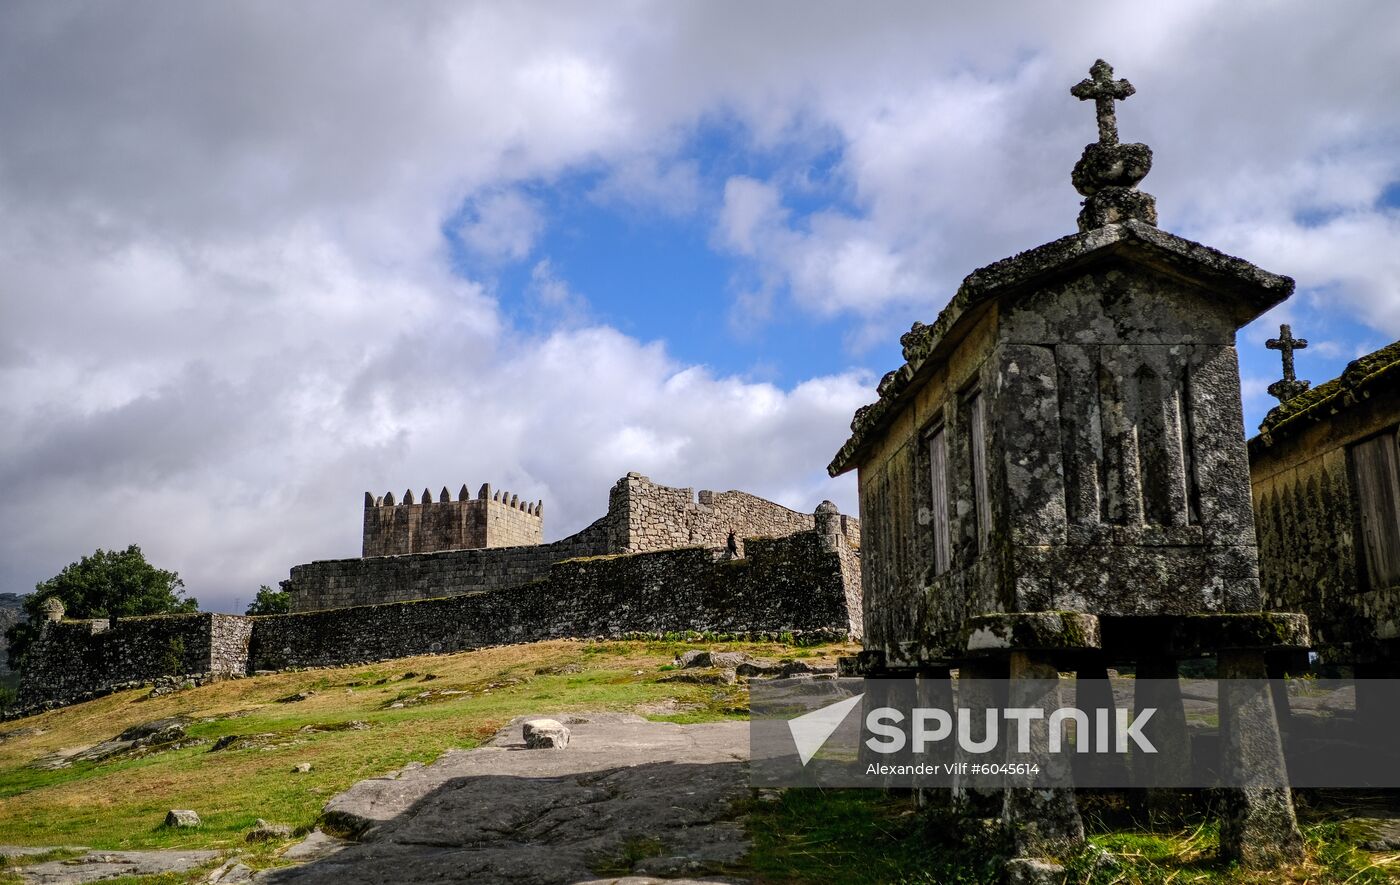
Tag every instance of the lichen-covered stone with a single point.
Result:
(181, 818)
(1020, 631)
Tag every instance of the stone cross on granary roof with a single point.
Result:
(1109, 172)
(1104, 90)
(1290, 386)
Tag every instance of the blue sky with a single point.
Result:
(258, 258)
(656, 275)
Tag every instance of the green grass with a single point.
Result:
(121, 804)
(836, 836)
(863, 837)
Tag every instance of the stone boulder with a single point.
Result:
(545, 734)
(265, 832)
(181, 818)
(706, 658)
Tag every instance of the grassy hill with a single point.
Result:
(357, 722)
(353, 723)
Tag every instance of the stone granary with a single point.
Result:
(1325, 469)
(1056, 479)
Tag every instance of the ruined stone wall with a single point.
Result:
(11, 613)
(648, 516)
(804, 583)
(72, 660)
(1307, 523)
(394, 527)
(338, 583)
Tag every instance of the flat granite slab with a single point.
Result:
(661, 794)
(98, 865)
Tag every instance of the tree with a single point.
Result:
(270, 602)
(107, 584)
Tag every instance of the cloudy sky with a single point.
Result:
(259, 257)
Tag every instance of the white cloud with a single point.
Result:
(554, 302)
(654, 184)
(502, 225)
(227, 296)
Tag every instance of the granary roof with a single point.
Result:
(1255, 290)
(1362, 375)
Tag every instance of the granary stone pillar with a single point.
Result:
(981, 684)
(933, 689)
(874, 698)
(1158, 687)
(1039, 809)
(1093, 692)
(1257, 825)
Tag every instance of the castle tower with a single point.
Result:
(488, 519)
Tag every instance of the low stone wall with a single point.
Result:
(804, 583)
(76, 659)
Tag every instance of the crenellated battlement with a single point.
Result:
(533, 508)
(491, 518)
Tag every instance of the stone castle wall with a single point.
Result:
(340, 583)
(801, 583)
(642, 517)
(648, 516)
(76, 659)
(491, 519)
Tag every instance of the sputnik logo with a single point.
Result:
(811, 730)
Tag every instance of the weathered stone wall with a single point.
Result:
(229, 638)
(513, 523)
(647, 516)
(1307, 523)
(11, 613)
(77, 659)
(394, 527)
(806, 582)
(903, 598)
